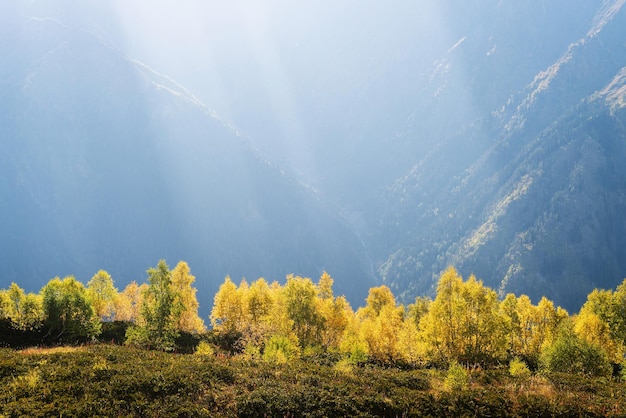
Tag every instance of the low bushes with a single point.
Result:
(123, 381)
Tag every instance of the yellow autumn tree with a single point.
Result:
(128, 303)
(410, 346)
(335, 311)
(258, 302)
(185, 295)
(463, 323)
(302, 309)
(441, 326)
(381, 322)
(24, 310)
(353, 344)
(598, 321)
(227, 315)
(530, 328)
(483, 327)
(417, 310)
(278, 317)
(512, 330)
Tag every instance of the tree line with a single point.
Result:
(66, 311)
(465, 323)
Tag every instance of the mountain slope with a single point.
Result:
(486, 134)
(108, 164)
(535, 202)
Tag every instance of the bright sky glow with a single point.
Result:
(278, 70)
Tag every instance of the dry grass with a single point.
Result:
(541, 386)
(51, 350)
(437, 384)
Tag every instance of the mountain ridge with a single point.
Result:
(511, 167)
(109, 164)
(488, 138)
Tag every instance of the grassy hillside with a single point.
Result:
(102, 380)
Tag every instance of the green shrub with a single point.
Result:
(518, 369)
(251, 352)
(204, 349)
(457, 377)
(114, 332)
(572, 354)
(358, 353)
(137, 337)
(280, 349)
(344, 367)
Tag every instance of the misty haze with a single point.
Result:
(381, 142)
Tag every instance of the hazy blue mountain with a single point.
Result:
(535, 201)
(107, 164)
(380, 141)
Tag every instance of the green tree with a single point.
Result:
(160, 312)
(464, 322)
(68, 313)
(102, 293)
(569, 353)
(300, 299)
(25, 310)
(281, 349)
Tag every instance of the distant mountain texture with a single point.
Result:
(380, 142)
(108, 164)
(535, 203)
